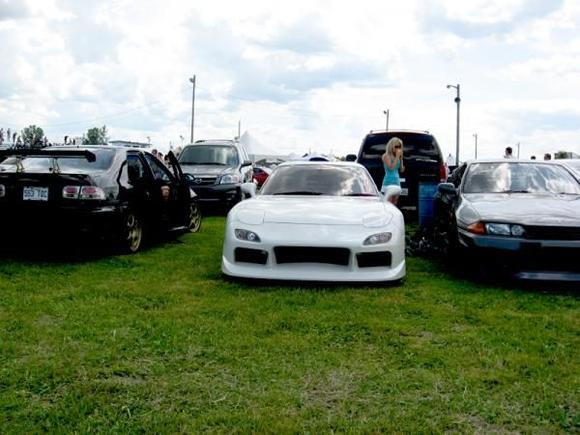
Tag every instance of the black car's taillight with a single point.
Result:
(83, 192)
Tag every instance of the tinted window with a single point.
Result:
(160, 172)
(209, 155)
(320, 180)
(103, 161)
(519, 177)
(414, 145)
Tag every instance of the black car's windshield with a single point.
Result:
(322, 179)
(209, 155)
(519, 178)
(103, 161)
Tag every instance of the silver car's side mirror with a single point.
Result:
(249, 189)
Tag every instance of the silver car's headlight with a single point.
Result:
(231, 179)
(247, 236)
(378, 239)
(505, 230)
(498, 229)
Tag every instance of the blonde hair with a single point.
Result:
(391, 144)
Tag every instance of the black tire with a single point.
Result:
(132, 233)
(194, 217)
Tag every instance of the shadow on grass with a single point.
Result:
(264, 285)
(59, 250)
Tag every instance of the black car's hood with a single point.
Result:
(209, 170)
(526, 208)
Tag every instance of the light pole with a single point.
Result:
(458, 101)
(192, 80)
(386, 112)
(518, 150)
(475, 136)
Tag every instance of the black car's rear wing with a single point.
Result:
(53, 153)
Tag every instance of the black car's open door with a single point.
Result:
(187, 205)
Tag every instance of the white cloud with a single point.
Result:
(299, 74)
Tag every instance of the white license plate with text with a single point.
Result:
(35, 194)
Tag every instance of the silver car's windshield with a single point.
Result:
(323, 179)
(519, 177)
(209, 155)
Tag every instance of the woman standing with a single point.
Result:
(393, 163)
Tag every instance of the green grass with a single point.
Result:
(159, 342)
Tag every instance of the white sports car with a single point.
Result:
(316, 221)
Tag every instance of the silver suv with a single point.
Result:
(216, 169)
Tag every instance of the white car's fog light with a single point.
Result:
(498, 229)
(518, 230)
(248, 236)
(377, 239)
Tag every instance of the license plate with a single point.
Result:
(404, 192)
(35, 194)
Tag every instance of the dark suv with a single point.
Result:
(216, 170)
(422, 157)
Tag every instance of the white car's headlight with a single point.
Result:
(247, 236)
(378, 239)
(231, 179)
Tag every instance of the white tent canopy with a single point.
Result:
(257, 149)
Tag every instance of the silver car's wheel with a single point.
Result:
(194, 218)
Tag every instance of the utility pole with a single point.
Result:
(475, 136)
(386, 112)
(458, 101)
(239, 128)
(518, 150)
(192, 80)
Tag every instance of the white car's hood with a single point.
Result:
(323, 210)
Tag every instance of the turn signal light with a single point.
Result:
(476, 228)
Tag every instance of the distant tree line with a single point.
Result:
(33, 137)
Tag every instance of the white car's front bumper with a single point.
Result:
(349, 237)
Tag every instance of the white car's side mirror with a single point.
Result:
(249, 189)
(391, 191)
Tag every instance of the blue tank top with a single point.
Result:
(392, 175)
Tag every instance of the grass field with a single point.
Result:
(159, 342)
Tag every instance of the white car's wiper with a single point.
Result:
(299, 192)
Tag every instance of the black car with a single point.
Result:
(216, 170)
(107, 192)
(422, 158)
(518, 218)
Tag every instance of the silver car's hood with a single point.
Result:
(526, 209)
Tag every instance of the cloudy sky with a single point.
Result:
(300, 75)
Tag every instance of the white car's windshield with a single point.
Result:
(519, 178)
(323, 179)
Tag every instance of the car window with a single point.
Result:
(226, 155)
(519, 178)
(103, 161)
(414, 145)
(320, 179)
(160, 172)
